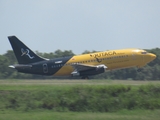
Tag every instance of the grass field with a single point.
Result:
(11, 85)
(49, 115)
(59, 84)
(75, 82)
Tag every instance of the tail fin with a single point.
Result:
(23, 54)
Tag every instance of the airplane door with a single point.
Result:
(133, 56)
(45, 68)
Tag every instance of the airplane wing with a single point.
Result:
(78, 68)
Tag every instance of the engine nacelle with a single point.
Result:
(94, 71)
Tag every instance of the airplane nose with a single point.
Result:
(153, 56)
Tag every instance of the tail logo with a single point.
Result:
(26, 52)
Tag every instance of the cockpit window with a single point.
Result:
(144, 52)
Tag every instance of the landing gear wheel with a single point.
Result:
(85, 77)
(139, 70)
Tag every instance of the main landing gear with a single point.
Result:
(84, 77)
(139, 69)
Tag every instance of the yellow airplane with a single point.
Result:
(79, 65)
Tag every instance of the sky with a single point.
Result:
(79, 25)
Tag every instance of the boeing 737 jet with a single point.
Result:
(79, 65)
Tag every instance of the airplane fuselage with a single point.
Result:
(113, 59)
(79, 65)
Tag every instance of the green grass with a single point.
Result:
(23, 99)
(50, 115)
(73, 82)
(65, 84)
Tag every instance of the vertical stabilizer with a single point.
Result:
(23, 54)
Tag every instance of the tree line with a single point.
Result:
(150, 72)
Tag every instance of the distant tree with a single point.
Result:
(59, 53)
(4, 71)
(86, 52)
(11, 57)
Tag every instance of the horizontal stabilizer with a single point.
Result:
(12, 66)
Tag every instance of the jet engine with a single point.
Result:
(93, 71)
